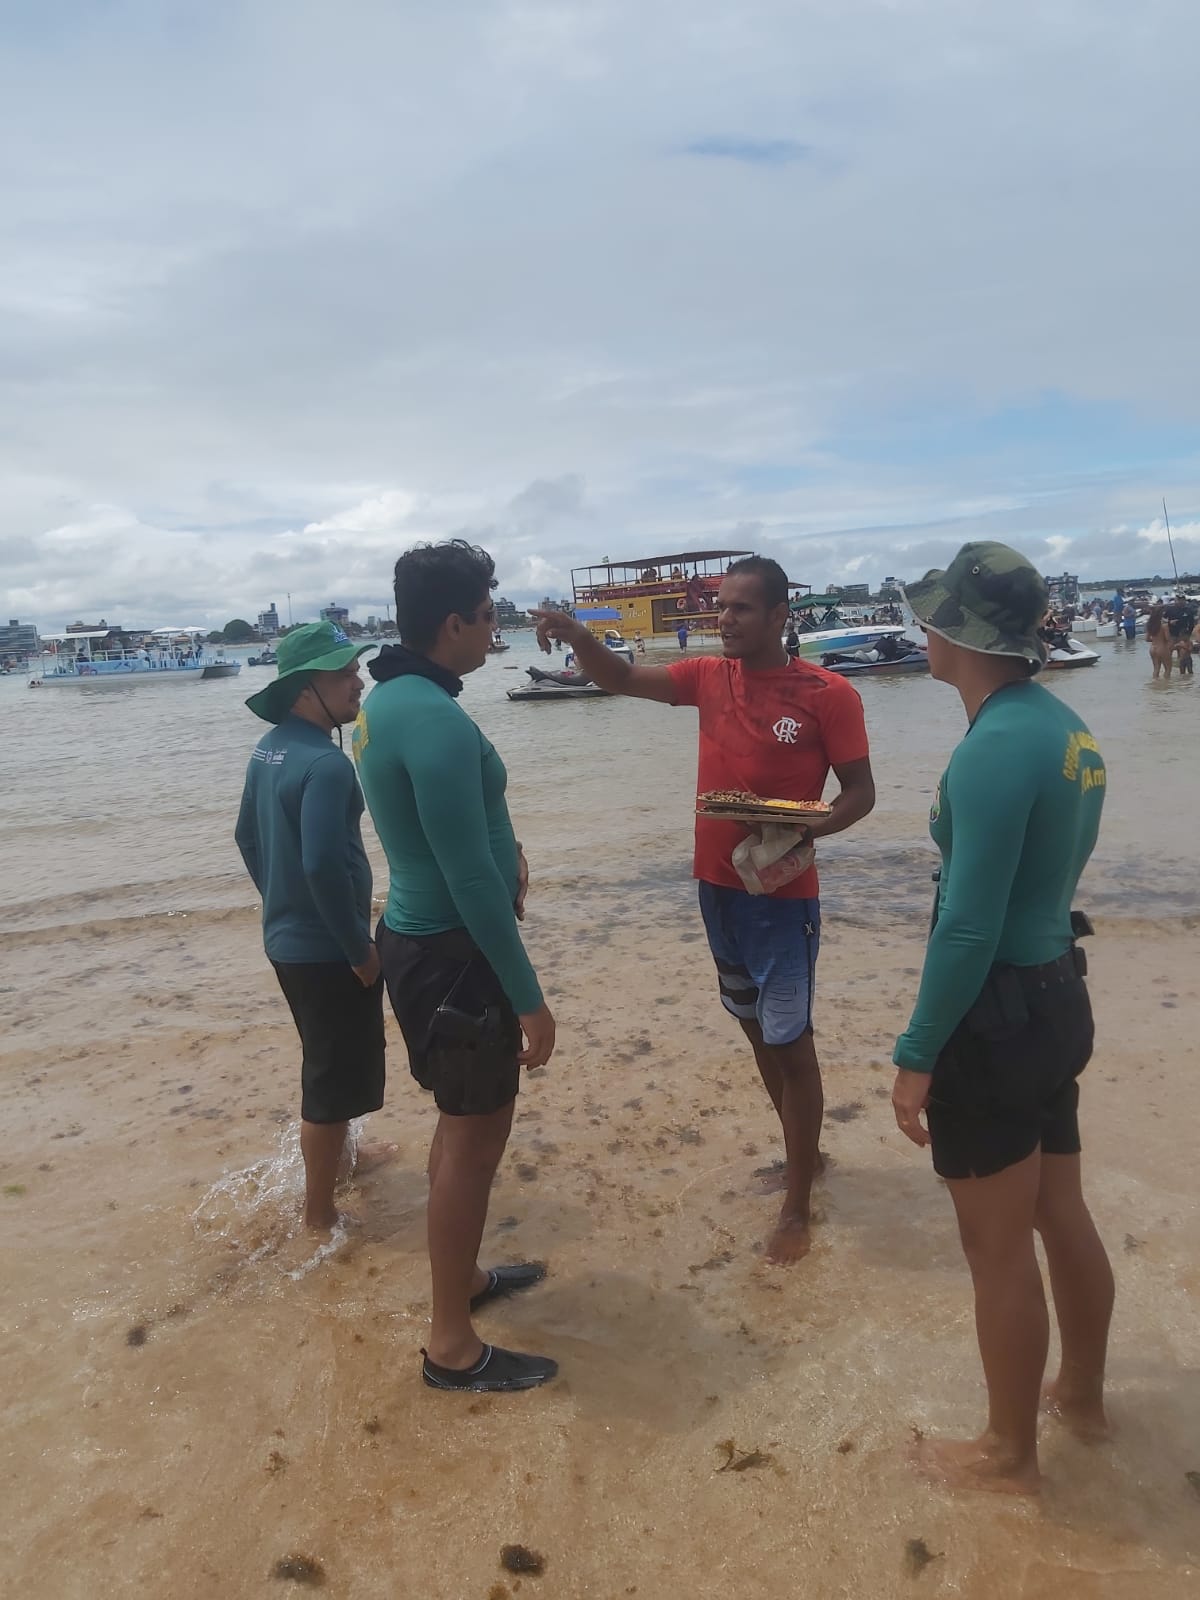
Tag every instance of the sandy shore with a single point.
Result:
(191, 1399)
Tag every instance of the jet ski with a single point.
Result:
(1067, 652)
(889, 654)
(545, 685)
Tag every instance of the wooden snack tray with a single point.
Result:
(759, 809)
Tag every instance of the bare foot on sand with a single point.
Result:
(974, 1464)
(772, 1179)
(316, 1222)
(1085, 1417)
(791, 1241)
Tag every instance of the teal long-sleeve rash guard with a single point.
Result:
(1015, 817)
(436, 791)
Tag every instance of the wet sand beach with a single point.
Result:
(195, 1394)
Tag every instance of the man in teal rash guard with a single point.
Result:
(1003, 1025)
(459, 980)
(299, 834)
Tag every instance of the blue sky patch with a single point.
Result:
(753, 152)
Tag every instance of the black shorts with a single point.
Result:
(341, 1028)
(469, 1060)
(1007, 1080)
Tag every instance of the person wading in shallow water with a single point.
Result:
(1003, 1025)
(298, 831)
(459, 980)
(771, 726)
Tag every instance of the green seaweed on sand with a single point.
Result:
(519, 1558)
(741, 1460)
(299, 1569)
(917, 1556)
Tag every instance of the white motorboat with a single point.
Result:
(100, 657)
(827, 640)
(614, 642)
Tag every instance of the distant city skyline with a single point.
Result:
(375, 621)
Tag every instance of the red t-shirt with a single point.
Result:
(771, 733)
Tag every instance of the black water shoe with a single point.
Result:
(509, 1280)
(496, 1372)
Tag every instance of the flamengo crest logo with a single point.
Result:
(786, 729)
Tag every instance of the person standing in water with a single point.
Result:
(459, 980)
(771, 726)
(299, 834)
(1003, 1025)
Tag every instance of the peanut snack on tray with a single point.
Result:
(724, 802)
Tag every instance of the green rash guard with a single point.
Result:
(436, 787)
(1015, 817)
(299, 832)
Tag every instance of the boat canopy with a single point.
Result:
(59, 638)
(586, 577)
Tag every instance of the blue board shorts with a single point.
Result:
(766, 955)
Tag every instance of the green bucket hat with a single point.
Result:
(990, 598)
(313, 647)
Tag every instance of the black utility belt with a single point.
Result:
(1070, 965)
(1002, 1008)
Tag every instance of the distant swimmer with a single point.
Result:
(774, 727)
(463, 989)
(1003, 1025)
(300, 836)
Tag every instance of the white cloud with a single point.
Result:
(1157, 533)
(381, 513)
(424, 262)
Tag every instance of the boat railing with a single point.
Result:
(106, 663)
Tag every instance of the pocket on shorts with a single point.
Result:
(1001, 1011)
(989, 1076)
(1065, 1017)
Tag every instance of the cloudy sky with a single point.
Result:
(286, 286)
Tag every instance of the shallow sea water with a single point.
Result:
(196, 1392)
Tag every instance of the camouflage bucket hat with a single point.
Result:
(990, 598)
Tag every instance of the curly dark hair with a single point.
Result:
(770, 573)
(436, 581)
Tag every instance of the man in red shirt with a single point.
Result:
(773, 727)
